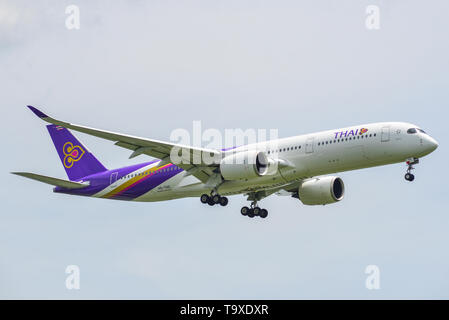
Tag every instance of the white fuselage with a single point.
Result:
(312, 155)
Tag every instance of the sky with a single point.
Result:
(149, 67)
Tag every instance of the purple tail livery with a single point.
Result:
(78, 162)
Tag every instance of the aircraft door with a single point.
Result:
(113, 179)
(385, 134)
(309, 145)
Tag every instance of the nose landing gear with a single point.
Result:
(410, 162)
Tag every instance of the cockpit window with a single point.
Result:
(421, 130)
(411, 130)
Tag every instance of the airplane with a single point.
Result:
(299, 166)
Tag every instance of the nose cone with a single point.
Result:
(430, 144)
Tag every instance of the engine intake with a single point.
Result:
(244, 165)
(322, 190)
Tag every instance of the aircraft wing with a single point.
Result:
(154, 148)
(288, 188)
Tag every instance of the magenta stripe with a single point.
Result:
(140, 180)
(132, 185)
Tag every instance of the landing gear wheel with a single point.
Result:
(223, 201)
(204, 198)
(210, 202)
(410, 162)
(254, 211)
(244, 211)
(215, 198)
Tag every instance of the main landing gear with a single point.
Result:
(214, 199)
(410, 162)
(254, 211)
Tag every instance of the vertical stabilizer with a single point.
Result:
(78, 162)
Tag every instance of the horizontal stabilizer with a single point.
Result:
(53, 181)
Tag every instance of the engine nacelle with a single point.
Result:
(323, 190)
(244, 165)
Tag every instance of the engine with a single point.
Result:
(244, 165)
(322, 190)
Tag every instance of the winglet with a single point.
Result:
(37, 112)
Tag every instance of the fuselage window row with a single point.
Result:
(346, 139)
(284, 149)
(148, 172)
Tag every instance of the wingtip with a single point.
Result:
(17, 173)
(37, 112)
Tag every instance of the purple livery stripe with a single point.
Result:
(125, 188)
(100, 181)
(131, 189)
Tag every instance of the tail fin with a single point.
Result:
(78, 162)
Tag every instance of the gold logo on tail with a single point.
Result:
(72, 154)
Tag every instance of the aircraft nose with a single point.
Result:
(431, 144)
